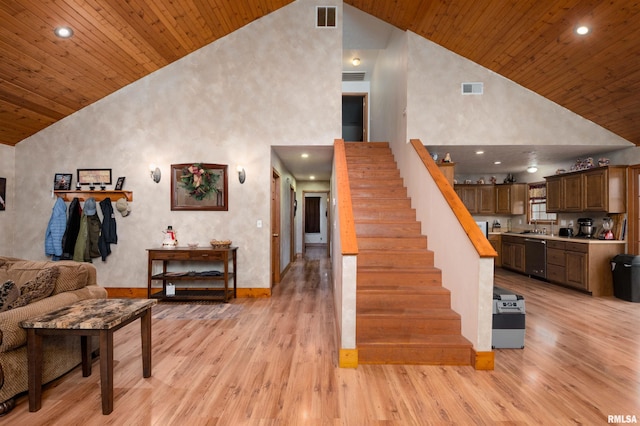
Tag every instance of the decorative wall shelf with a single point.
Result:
(98, 195)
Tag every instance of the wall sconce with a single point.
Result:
(155, 173)
(242, 175)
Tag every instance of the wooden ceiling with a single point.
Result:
(44, 79)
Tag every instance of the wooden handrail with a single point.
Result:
(348, 241)
(477, 238)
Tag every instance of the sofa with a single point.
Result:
(29, 289)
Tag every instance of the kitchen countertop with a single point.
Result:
(557, 238)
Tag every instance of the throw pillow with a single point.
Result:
(8, 294)
(40, 287)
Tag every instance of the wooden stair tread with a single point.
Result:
(426, 313)
(418, 340)
(386, 288)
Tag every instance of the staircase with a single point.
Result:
(403, 313)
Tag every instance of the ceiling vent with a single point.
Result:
(472, 88)
(326, 17)
(353, 76)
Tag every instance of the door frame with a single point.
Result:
(365, 112)
(324, 193)
(633, 208)
(274, 231)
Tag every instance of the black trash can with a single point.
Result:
(626, 277)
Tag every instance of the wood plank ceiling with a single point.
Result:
(44, 79)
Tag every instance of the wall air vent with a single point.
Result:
(326, 17)
(353, 76)
(472, 88)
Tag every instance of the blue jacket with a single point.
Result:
(55, 230)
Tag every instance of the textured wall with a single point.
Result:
(274, 82)
(505, 114)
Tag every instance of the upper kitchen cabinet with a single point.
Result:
(601, 189)
(511, 198)
(478, 199)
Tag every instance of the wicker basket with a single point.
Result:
(220, 244)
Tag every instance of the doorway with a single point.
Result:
(355, 117)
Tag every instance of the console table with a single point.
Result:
(216, 283)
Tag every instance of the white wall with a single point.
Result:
(226, 103)
(7, 216)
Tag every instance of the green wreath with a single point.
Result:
(199, 182)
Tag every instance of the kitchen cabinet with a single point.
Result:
(496, 242)
(511, 198)
(468, 196)
(582, 264)
(601, 189)
(485, 195)
(605, 189)
(513, 253)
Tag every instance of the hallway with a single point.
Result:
(273, 361)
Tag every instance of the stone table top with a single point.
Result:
(91, 314)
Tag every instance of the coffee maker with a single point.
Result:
(586, 228)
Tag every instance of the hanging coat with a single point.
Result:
(55, 230)
(109, 235)
(81, 241)
(73, 227)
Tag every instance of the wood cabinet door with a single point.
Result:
(468, 195)
(554, 194)
(503, 199)
(486, 199)
(496, 243)
(595, 191)
(576, 269)
(507, 254)
(572, 193)
(518, 257)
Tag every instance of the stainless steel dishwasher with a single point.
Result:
(535, 261)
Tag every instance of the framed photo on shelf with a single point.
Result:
(199, 186)
(119, 183)
(94, 176)
(62, 181)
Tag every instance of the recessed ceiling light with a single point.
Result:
(63, 32)
(312, 177)
(479, 152)
(532, 169)
(582, 30)
(305, 155)
(497, 162)
(355, 62)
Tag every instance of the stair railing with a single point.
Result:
(344, 259)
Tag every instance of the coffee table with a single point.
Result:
(86, 318)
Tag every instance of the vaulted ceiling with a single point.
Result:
(532, 42)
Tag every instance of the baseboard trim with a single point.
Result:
(141, 293)
(483, 360)
(348, 358)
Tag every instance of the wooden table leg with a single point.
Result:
(106, 370)
(145, 333)
(34, 356)
(85, 344)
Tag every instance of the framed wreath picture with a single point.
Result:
(199, 186)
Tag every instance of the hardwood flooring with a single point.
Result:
(273, 362)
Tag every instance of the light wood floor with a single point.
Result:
(273, 362)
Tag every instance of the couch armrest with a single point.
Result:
(14, 336)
